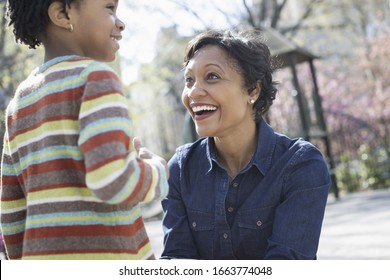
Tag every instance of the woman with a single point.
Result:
(242, 191)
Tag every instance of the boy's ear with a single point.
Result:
(58, 15)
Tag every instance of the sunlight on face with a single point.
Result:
(214, 94)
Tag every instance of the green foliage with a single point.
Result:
(348, 174)
(375, 167)
(370, 170)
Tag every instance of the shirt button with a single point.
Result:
(230, 209)
(235, 185)
(259, 223)
(193, 224)
(225, 235)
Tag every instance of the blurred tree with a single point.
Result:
(16, 60)
(363, 91)
(16, 63)
(155, 97)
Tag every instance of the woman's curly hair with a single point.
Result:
(250, 56)
(29, 19)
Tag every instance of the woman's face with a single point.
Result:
(214, 94)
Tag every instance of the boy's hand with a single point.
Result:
(145, 154)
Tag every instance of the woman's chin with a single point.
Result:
(203, 133)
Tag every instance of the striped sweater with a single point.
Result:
(70, 187)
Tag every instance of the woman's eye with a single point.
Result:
(212, 76)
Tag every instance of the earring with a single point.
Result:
(71, 28)
(252, 101)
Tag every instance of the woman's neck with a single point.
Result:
(236, 151)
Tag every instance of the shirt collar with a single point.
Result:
(52, 62)
(211, 154)
(266, 142)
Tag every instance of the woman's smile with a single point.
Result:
(202, 111)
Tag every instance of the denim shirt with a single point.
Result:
(272, 209)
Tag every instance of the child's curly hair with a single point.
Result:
(29, 19)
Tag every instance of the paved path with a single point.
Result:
(355, 227)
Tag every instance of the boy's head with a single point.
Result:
(29, 19)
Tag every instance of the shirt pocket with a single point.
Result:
(255, 228)
(202, 228)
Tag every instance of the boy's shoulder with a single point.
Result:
(89, 64)
(73, 63)
(87, 68)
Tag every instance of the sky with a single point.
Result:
(143, 24)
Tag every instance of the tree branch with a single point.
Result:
(309, 10)
(250, 18)
(277, 12)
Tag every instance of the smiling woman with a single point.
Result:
(242, 191)
(210, 94)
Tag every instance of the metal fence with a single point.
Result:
(360, 151)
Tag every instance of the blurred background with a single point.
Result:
(333, 60)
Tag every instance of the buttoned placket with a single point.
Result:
(232, 200)
(223, 228)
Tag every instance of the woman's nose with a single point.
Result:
(196, 91)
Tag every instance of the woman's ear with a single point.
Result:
(254, 93)
(59, 16)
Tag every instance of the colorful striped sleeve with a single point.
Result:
(12, 205)
(113, 173)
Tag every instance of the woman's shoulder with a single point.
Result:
(295, 150)
(198, 145)
(293, 143)
(274, 142)
(189, 150)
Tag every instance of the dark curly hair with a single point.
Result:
(250, 56)
(29, 19)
